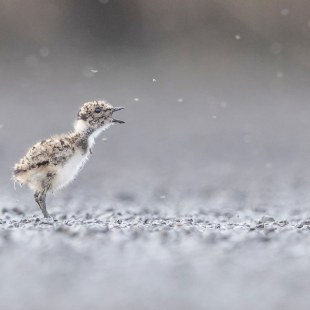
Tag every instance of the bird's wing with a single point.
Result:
(53, 151)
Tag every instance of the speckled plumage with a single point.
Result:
(53, 163)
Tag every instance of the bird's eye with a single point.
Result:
(98, 110)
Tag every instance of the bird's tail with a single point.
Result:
(18, 175)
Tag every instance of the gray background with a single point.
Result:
(219, 139)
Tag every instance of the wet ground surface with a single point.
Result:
(172, 256)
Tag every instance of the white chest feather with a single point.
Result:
(69, 171)
(92, 137)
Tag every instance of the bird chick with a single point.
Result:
(53, 163)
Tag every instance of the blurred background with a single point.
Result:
(216, 93)
(202, 197)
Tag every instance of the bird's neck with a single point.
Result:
(82, 133)
(87, 134)
(82, 128)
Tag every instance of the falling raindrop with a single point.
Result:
(88, 71)
(285, 12)
(280, 75)
(223, 104)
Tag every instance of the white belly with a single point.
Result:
(69, 171)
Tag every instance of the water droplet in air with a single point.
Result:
(180, 100)
(285, 12)
(89, 71)
(223, 104)
(280, 75)
(136, 99)
(154, 80)
(237, 37)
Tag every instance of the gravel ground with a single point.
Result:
(125, 255)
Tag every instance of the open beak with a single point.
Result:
(116, 120)
(117, 109)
